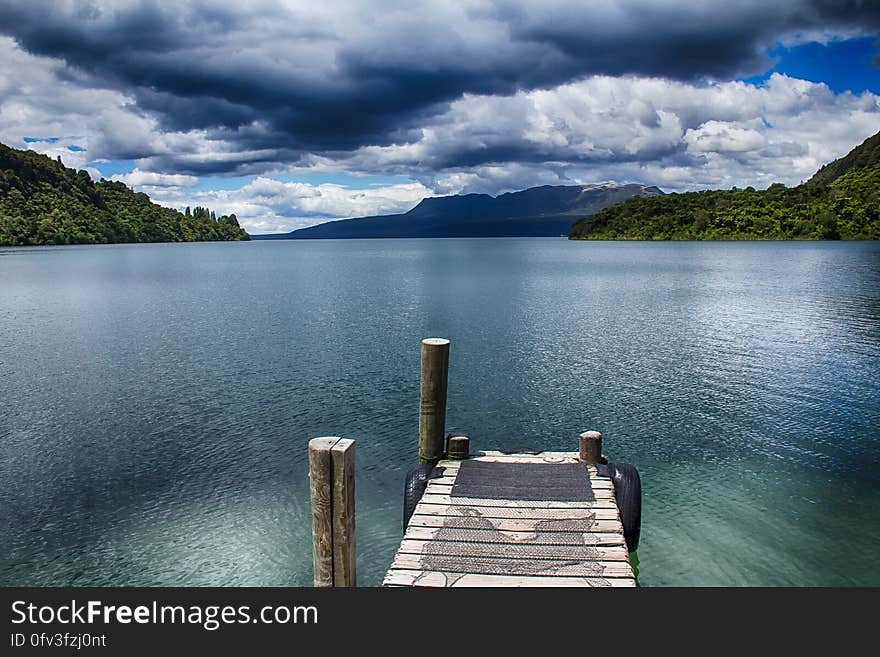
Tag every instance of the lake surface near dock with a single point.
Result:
(157, 399)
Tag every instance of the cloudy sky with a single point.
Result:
(293, 113)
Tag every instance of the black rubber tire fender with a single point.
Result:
(413, 489)
(628, 491)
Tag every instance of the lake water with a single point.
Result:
(157, 399)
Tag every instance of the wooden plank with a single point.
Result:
(516, 524)
(320, 490)
(603, 484)
(515, 458)
(543, 455)
(405, 577)
(514, 551)
(342, 456)
(604, 502)
(452, 467)
(496, 457)
(600, 497)
(496, 566)
(596, 485)
(514, 537)
(456, 510)
(502, 492)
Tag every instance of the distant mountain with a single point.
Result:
(535, 212)
(44, 202)
(841, 201)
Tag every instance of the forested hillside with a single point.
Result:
(44, 202)
(842, 201)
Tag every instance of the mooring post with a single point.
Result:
(591, 447)
(458, 446)
(432, 399)
(344, 558)
(331, 487)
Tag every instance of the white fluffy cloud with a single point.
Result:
(674, 134)
(138, 178)
(266, 205)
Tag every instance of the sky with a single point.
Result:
(294, 113)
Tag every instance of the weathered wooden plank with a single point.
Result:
(543, 459)
(501, 566)
(601, 498)
(320, 490)
(516, 524)
(497, 492)
(342, 456)
(404, 577)
(543, 455)
(603, 502)
(504, 492)
(515, 537)
(435, 579)
(452, 467)
(457, 510)
(515, 458)
(514, 550)
(596, 483)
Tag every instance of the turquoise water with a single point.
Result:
(157, 399)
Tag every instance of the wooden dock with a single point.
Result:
(517, 521)
(522, 517)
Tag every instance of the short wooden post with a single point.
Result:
(591, 447)
(458, 446)
(432, 399)
(331, 487)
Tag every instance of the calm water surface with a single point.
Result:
(157, 399)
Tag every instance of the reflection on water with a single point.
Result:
(157, 399)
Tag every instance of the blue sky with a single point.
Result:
(289, 115)
(844, 65)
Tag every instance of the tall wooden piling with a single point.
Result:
(331, 487)
(432, 399)
(344, 561)
(590, 447)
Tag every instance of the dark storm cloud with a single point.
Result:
(279, 80)
(464, 155)
(682, 40)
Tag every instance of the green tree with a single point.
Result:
(44, 202)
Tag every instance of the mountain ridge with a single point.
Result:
(546, 210)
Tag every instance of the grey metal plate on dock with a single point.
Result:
(514, 520)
